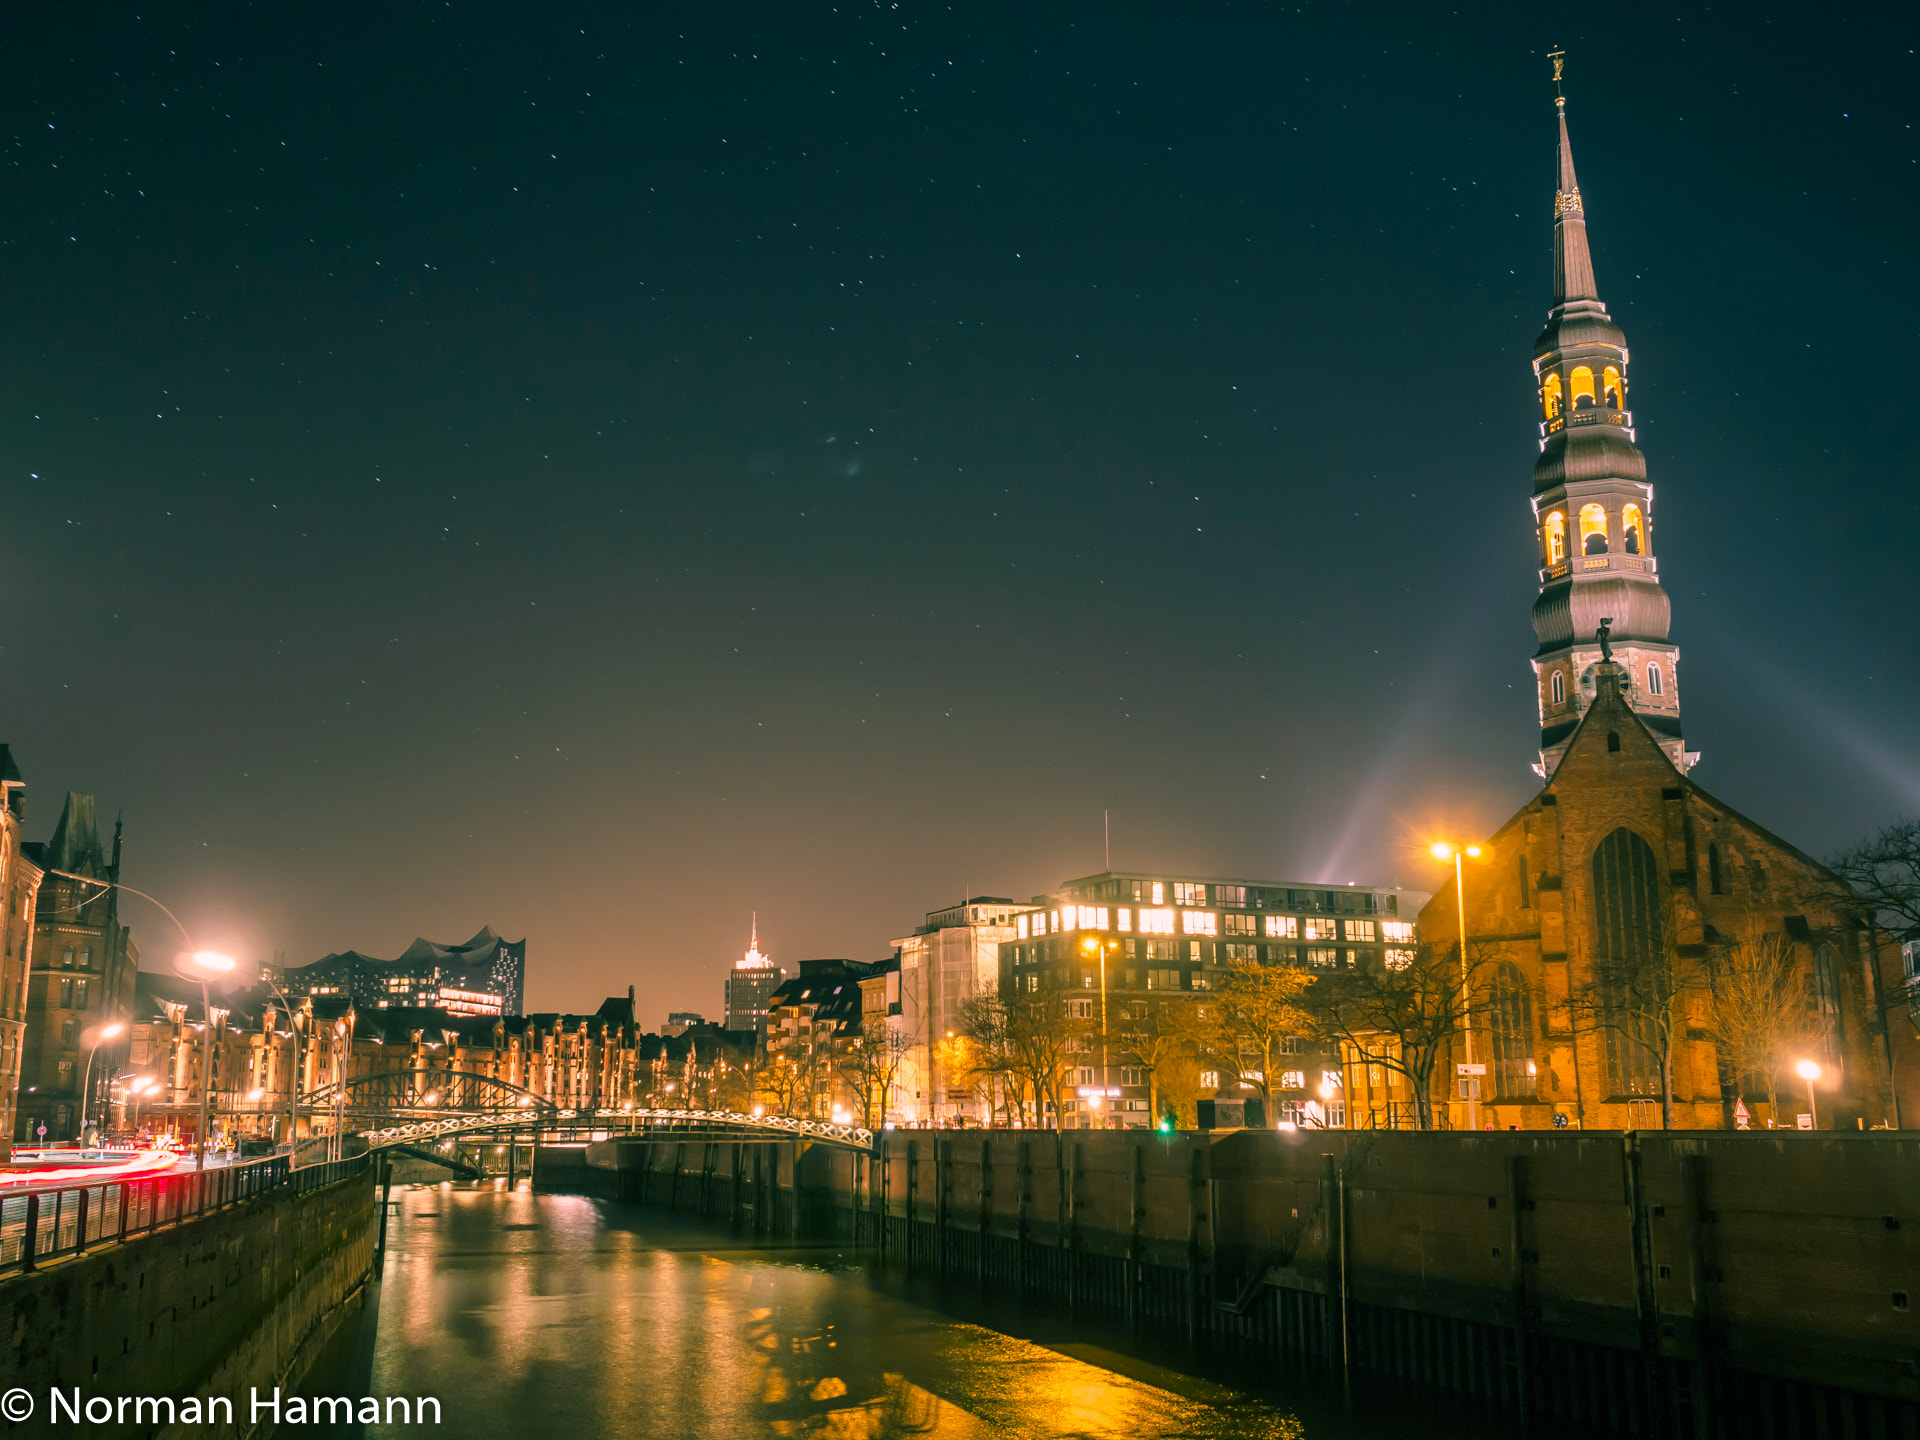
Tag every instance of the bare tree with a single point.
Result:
(1758, 1013)
(1403, 1018)
(869, 1063)
(1882, 877)
(986, 1021)
(1641, 998)
(1043, 1037)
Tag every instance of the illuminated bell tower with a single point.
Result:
(1593, 507)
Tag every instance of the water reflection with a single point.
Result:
(567, 1319)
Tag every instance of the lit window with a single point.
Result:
(1199, 922)
(1126, 918)
(1100, 917)
(1593, 530)
(1396, 929)
(1319, 928)
(1054, 917)
(1399, 959)
(1362, 930)
(1633, 530)
(1184, 894)
(1209, 1079)
(1580, 386)
(1293, 1079)
(1156, 922)
(1282, 927)
(1020, 927)
(1611, 389)
(1550, 396)
(1653, 679)
(1556, 532)
(1321, 958)
(1159, 893)
(1559, 688)
(1239, 924)
(1163, 979)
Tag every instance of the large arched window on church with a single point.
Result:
(1655, 685)
(1633, 530)
(1610, 388)
(1823, 998)
(1629, 961)
(1556, 533)
(1550, 396)
(1559, 688)
(1510, 1021)
(1593, 530)
(1580, 387)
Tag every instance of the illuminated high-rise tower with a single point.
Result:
(1599, 580)
(753, 979)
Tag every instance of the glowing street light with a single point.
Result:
(205, 967)
(105, 1032)
(1809, 1071)
(1102, 949)
(1443, 850)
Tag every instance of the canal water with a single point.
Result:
(559, 1317)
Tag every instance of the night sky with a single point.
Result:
(601, 470)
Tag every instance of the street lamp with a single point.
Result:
(1101, 948)
(1809, 1071)
(104, 1032)
(1442, 850)
(205, 967)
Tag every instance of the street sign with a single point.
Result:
(1741, 1115)
(1085, 1091)
(1559, 1120)
(1806, 1121)
(1470, 1069)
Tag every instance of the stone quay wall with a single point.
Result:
(1661, 1283)
(239, 1299)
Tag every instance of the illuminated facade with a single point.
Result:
(750, 984)
(1175, 934)
(484, 976)
(20, 881)
(82, 980)
(1593, 509)
(944, 963)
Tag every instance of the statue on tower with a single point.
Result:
(1601, 634)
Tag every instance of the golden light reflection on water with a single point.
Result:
(512, 1305)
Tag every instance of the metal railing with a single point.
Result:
(49, 1221)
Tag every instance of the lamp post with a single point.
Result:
(1809, 1071)
(293, 1065)
(1100, 948)
(104, 1032)
(1442, 850)
(205, 967)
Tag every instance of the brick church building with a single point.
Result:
(1621, 867)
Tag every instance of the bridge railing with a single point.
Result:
(49, 1221)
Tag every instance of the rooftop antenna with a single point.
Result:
(1106, 827)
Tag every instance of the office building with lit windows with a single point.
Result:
(1169, 933)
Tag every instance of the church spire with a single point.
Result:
(1572, 262)
(1601, 608)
